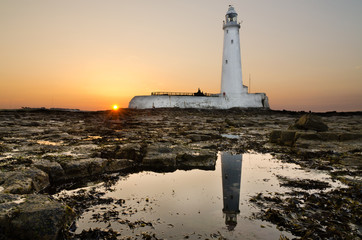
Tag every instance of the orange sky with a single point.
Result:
(91, 54)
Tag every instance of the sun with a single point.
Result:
(115, 107)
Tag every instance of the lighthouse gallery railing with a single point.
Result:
(184, 94)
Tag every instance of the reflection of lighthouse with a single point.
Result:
(231, 176)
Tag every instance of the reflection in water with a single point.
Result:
(231, 176)
(188, 203)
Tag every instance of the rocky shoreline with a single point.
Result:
(44, 151)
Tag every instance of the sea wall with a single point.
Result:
(256, 100)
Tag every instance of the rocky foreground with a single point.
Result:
(44, 151)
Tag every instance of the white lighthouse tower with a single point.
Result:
(231, 79)
(233, 93)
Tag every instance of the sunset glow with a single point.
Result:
(115, 107)
(305, 55)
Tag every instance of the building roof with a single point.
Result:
(231, 10)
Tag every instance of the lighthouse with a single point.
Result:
(231, 79)
(231, 166)
(233, 93)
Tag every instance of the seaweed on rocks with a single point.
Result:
(326, 215)
(304, 184)
(96, 234)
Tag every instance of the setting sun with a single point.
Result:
(115, 107)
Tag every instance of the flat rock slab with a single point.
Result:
(166, 155)
(290, 137)
(310, 122)
(82, 168)
(197, 158)
(32, 217)
(24, 181)
(52, 168)
(115, 165)
(133, 151)
(160, 155)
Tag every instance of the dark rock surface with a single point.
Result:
(50, 149)
(165, 155)
(53, 169)
(310, 122)
(24, 181)
(32, 217)
(160, 155)
(200, 158)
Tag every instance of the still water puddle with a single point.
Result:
(196, 204)
(89, 138)
(43, 142)
(230, 136)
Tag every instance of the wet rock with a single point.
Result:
(18, 184)
(76, 169)
(170, 156)
(307, 136)
(123, 139)
(115, 165)
(97, 233)
(96, 166)
(133, 151)
(305, 184)
(52, 168)
(8, 198)
(7, 203)
(326, 215)
(310, 122)
(35, 217)
(350, 136)
(329, 136)
(204, 145)
(198, 137)
(3, 148)
(275, 217)
(83, 167)
(303, 139)
(199, 158)
(353, 162)
(232, 122)
(40, 178)
(3, 176)
(274, 136)
(202, 135)
(318, 140)
(160, 155)
(166, 160)
(286, 138)
(25, 181)
(83, 199)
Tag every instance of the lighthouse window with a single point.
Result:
(232, 41)
(226, 61)
(227, 31)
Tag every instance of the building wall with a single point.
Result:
(257, 100)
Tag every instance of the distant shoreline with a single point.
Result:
(262, 111)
